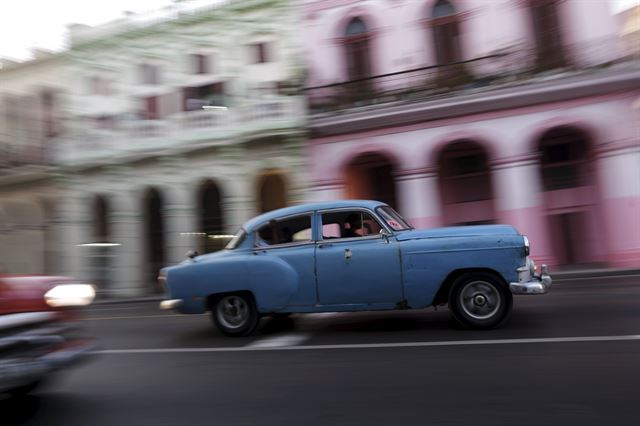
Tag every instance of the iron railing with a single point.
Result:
(514, 65)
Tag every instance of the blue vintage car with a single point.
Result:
(354, 255)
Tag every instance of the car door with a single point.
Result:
(287, 240)
(356, 266)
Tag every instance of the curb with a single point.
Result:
(594, 273)
(117, 300)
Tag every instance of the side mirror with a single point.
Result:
(385, 235)
(191, 254)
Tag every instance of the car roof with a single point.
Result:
(309, 207)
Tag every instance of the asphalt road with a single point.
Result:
(571, 357)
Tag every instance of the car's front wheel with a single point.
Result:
(235, 314)
(480, 300)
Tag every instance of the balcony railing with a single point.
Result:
(515, 65)
(133, 135)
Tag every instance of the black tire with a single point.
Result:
(235, 314)
(480, 300)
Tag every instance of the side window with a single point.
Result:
(286, 231)
(349, 224)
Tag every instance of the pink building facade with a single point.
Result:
(523, 112)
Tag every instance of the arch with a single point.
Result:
(99, 257)
(371, 175)
(442, 8)
(465, 181)
(154, 231)
(571, 195)
(271, 191)
(482, 138)
(211, 216)
(356, 26)
(101, 225)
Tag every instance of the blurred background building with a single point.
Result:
(144, 173)
(31, 125)
(453, 111)
(473, 112)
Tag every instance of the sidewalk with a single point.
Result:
(557, 276)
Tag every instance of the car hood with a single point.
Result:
(457, 231)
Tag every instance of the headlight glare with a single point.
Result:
(70, 295)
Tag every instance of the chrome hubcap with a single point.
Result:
(232, 311)
(480, 299)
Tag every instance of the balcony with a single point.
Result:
(508, 68)
(183, 131)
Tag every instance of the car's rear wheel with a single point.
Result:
(480, 300)
(235, 314)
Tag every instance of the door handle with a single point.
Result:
(323, 245)
(348, 254)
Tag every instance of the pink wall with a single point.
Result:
(402, 40)
(510, 138)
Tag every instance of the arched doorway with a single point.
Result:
(154, 237)
(570, 194)
(272, 192)
(466, 187)
(211, 217)
(100, 255)
(371, 176)
(445, 31)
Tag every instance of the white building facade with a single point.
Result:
(148, 173)
(32, 119)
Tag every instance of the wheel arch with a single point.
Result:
(442, 296)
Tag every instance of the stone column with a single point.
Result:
(519, 201)
(180, 222)
(127, 259)
(74, 214)
(418, 197)
(619, 169)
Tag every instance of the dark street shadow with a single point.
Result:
(18, 410)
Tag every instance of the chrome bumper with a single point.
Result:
(171, 304)
(535, 284)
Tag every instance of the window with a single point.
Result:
(349, 224)
(197, 97)
(260, 53)
(200, 64)
(151, 111)
(393, 219)
(548, 35)
(97, 85)
(285, 231)
(357, 49)
(237, 240)
(150, 74)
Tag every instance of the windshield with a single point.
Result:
(393, 219)
(236, 240)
